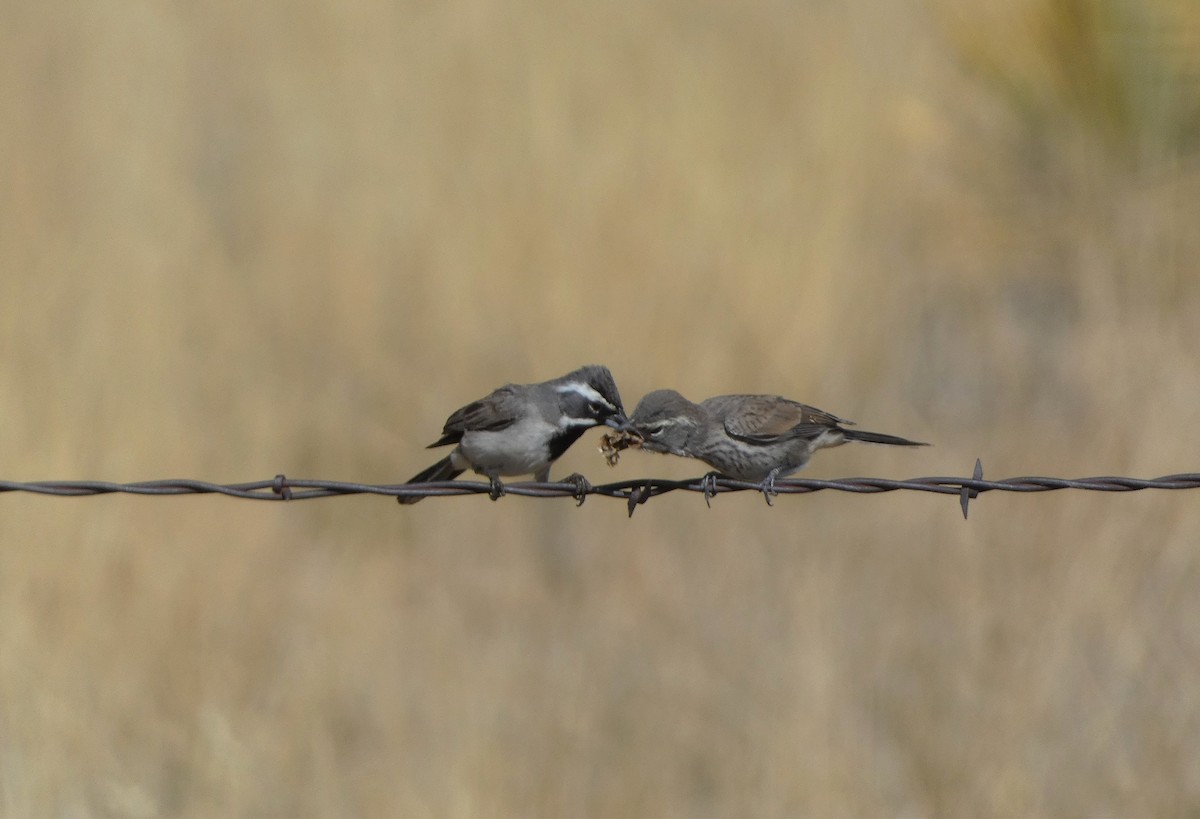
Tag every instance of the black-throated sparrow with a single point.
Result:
(521, 429)
(746, 437)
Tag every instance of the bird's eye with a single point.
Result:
(597, 410)
(653, 430)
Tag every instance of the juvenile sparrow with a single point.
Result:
(755, 438)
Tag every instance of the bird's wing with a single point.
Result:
(767, 419)
(497, 411)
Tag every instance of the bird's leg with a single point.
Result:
(493, 476)
(708, 486)
(767, 487)
(583, 487)
(542, 475)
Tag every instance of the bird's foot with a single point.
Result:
(767, 487)
(708, 487)
(582, 486)
(497, 490)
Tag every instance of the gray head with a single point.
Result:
(590, 394)
(666, 421)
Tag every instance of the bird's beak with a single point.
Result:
(621, 424)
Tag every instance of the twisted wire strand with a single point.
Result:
(634, 492)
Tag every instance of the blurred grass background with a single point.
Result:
(242, 239)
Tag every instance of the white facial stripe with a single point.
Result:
(567, 421)
(673, 421)
(586, 390)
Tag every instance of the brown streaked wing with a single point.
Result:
(769, 418)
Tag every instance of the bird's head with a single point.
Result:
(665, 420)
(589, 397)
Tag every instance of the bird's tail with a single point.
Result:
(879, 438)
(443, 470)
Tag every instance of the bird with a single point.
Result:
(521, 429)
(753, 438)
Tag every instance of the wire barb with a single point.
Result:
(967, 493)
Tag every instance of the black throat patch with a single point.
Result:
(562, 441)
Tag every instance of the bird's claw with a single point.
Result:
(497, 490)
(708, 487)
(581, 485)
(767, 487)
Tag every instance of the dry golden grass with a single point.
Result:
(241, 239)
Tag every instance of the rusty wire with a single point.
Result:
(635, 492)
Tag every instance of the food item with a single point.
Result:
(612, 443)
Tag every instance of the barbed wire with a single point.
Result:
(635, 492)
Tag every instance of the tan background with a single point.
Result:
(238, 239)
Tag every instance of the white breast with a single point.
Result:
(518, 450)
